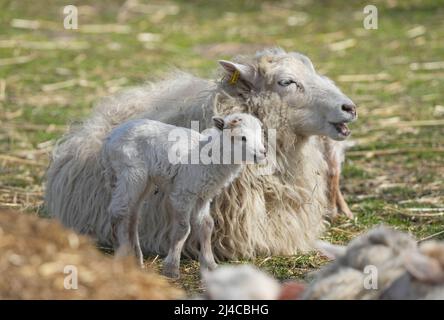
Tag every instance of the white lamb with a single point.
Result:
(141, 155)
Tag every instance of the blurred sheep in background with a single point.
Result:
(380, 264)
(401, 269)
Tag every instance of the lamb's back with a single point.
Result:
(150, 142)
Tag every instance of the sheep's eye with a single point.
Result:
(285, 82)
(244, 139)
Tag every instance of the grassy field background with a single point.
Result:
(394, 174)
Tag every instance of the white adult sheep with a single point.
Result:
(257, 215)
(142, 155)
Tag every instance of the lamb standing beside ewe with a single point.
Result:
(143, 154)
(278, 214)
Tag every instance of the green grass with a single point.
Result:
(381, 188)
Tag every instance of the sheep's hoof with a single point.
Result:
(342, 206)
(344, 209)
(333, 213)
(171, 271)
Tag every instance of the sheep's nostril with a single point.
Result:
(350, 108)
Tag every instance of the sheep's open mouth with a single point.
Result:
(341, 128)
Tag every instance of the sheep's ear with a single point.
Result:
(236, 71)
(331, 251)
(218, 122)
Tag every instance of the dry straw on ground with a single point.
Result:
(35, 252)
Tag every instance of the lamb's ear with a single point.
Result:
(238, 71)
(331, 251)
(218, 122)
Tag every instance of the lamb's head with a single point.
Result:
(315, 106)
(243, 133)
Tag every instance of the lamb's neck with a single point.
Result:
(220, 173)
(217, 169)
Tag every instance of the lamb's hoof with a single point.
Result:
(139, 260)
(212, 266)
(124, 251)
(208, 267)
(171, 271)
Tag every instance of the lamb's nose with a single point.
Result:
(350, 108)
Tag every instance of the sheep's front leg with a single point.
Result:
(126, 198)
(203, 224)
(181, 228)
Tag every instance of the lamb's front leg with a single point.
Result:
(204, 225)
(180, 230)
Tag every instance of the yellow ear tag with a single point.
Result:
(234, 77)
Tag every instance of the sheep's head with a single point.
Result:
(315, 105)
(244, 134)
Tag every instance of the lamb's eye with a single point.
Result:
(244, 139)
(285, 82)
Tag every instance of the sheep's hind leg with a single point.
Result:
(342, 204)
(203, 224)
(135, 229)
(179, 234)
(335, 197)
(126, 198)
